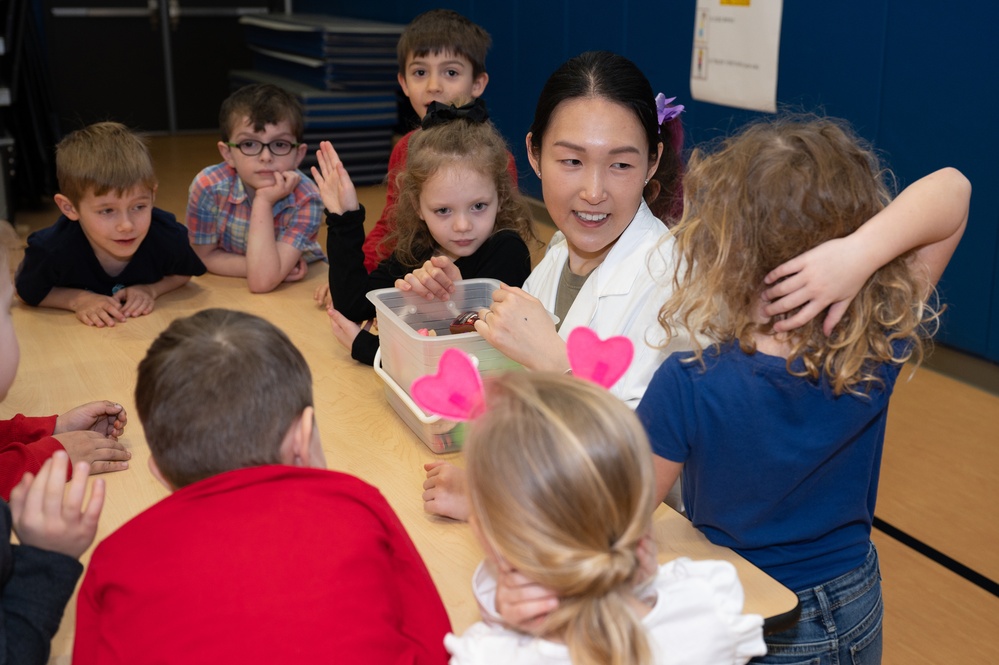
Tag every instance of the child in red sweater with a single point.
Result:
(259, 554)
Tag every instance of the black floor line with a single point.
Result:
(939, 557)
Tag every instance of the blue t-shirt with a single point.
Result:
(61, 256)
(776, 467)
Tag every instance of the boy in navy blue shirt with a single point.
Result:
(111, 253)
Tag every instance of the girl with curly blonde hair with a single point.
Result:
(804, 293)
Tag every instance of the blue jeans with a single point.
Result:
(840, 622)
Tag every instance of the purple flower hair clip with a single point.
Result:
(667, 113)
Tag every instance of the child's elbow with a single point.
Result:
(957, 182)
(260, 285)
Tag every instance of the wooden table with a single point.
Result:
(64, 363)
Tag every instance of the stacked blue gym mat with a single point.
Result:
(343, 71)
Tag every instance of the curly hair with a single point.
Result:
(561, 487)
(473, 145)
(758, 199)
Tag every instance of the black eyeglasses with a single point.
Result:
(252, 148)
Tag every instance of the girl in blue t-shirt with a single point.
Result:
(777, 418)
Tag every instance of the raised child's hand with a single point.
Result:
(829, 275)
(285, 183)
(97, 310)
(445, 491)
(435, 279)
(104, 417)
(137, 300)
(335, 186)
(98, 451)
(343, 328)
(46, 517)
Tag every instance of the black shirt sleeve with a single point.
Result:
(364, 348)
(349, 281)
(504, 256)
(36, 585)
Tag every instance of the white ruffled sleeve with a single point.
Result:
(698, 615)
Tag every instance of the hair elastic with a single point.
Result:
(440, 114)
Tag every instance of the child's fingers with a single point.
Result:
(433, 465)
(784, 287)
(403, 285)
(46, 492)
(77, 491)
(800, 318)
(329, 151)
(18, 496)
(783, 270)
(786, 303)
(835, 315)
(92, 513)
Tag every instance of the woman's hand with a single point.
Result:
(522, 329)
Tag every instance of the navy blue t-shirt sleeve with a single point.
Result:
(35, 276)
(173, 248)
(667, 412)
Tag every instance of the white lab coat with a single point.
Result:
(621, 297)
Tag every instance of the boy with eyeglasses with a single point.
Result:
(111, 253)
(256, 215)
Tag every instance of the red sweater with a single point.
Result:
(25, 444)
(269, 564)
(373, 254)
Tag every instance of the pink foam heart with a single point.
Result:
(454, 392)
(600, 361)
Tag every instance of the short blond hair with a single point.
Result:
(101, 158)
(561, 484)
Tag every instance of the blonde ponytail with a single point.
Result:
(561, 485)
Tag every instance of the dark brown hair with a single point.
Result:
(218, 391)
(444, 31)
(606, 75)
(263, 104)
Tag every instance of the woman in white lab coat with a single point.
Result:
(602, 144)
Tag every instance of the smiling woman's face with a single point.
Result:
(594, 161)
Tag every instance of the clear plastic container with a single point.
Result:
(407, 355)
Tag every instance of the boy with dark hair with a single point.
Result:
(256, 215)
(111, 253)
(259, 554)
